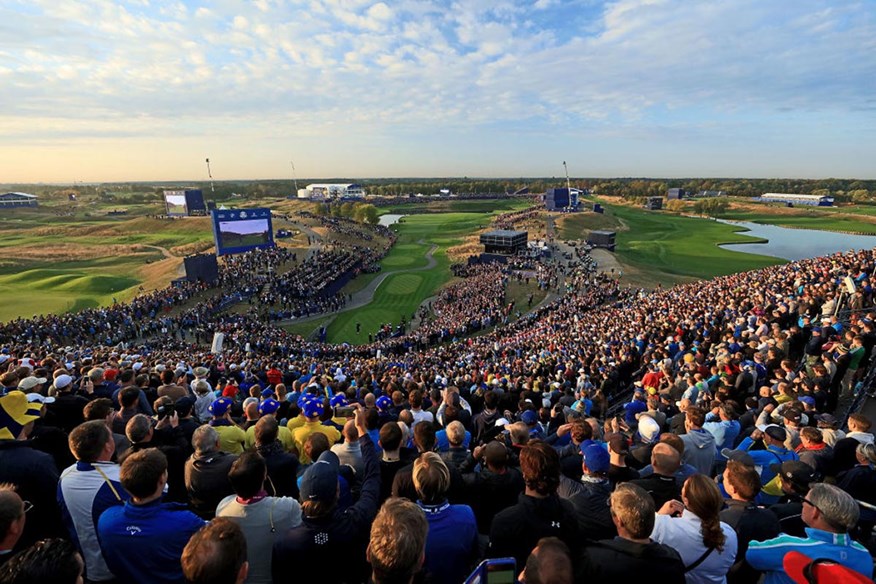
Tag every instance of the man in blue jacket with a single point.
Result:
(830, 513)
(143, 540)
(773, 437)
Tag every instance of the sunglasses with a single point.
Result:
(810, 503)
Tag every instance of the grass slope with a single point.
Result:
(823, 218)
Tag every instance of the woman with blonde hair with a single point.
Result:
(692, 526)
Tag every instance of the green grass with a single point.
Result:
(576, 225)
(402, 292)
(667, 249)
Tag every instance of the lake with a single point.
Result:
(797, 244)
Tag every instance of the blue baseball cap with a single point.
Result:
(269, 406)
(596, 458)
(529, 417)
(267, 392)
(313, 408)
(320, 480)
(338, 400)
(383, 402)
(220, 406)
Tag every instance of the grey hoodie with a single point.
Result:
(699, 450)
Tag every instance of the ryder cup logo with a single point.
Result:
(243, 214)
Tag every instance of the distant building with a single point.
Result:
(712, 194)
(603, 239)
(561, 199)
(794, 199)
(654, 203)
(676, 194)
(504, 241)
(18, 200)
(327, 191)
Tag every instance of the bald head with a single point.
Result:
(665, 459)
(351, 434)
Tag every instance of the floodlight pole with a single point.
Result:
(210, 174)
(294, 178)
(568, 185)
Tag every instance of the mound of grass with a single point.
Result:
(820, 218)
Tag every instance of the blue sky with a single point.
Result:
(146, 90)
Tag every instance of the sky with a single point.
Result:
(145, 90)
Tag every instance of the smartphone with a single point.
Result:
(494, 571)
(344, 411)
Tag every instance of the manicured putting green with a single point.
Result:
(398, 261)
(403, 284)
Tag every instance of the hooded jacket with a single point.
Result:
(699, 450)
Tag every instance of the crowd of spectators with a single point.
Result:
(726, 460)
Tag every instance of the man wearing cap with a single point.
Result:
(773, 438)
(312, 408)
(68, 406)
(32, 384)
(311, 551)
(829, 514)
(269, 407)
(591, 502)
(231, 437)
(33, 472)
(795, 477)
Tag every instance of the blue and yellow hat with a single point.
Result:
(16, 413)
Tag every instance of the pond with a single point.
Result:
(389, 219)
(797, 244)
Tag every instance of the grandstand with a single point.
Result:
(18, 200)
(795, 199)
(329, 191)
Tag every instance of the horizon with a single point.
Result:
(136, 91)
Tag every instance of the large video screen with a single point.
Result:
(239, 230)
(175, 201)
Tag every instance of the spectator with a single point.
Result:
(661, 483)
(87, 489)
(591, 502)
(540, 512)
(282, 465)
(262, 518)
(457, 455)
(232, 438)
(32, 472)
(49, 560)
(794, 478)
(699, 445)
(348, 451)
(618, 450)
(750, 521)
(496, 487)
(829, 514)
(165, 437)
(145, 523)
(312, 410)
(217, 554)
(13, 515)
(844, 449)
(206, 473)
(694, 528)
(452, 544)
(632, 555)
(549, 561)
(396, 550)
(327, 532)
(102, 409)
(814, 452)
(773, 438)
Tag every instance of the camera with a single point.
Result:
(165, 411)
(344, 411)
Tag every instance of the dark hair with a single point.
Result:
(552, 563)
(141, 472)
(424, 436)
(705, 501)
(88, 439)
(540, 465)
(491, 399)
(167, 376)
(745, 479)
(416, 398)
(215, 553)
(129, 396)
(98, 409)
(390, 436)
(247, 474)
(581, 431)
(696, 416)
(372, 418)
(49, 560)
(126, 375)
(316, 444)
